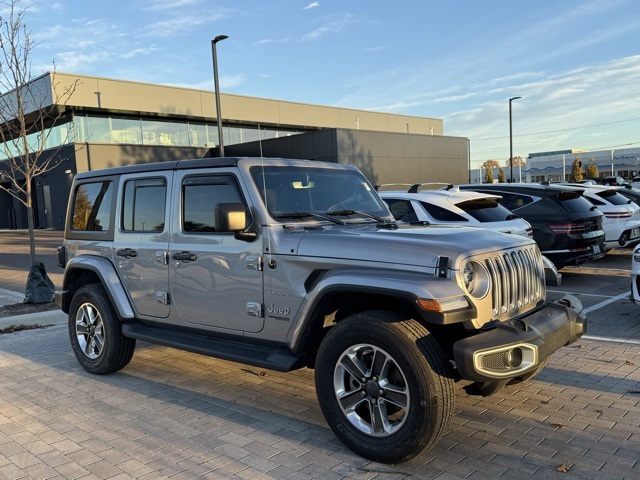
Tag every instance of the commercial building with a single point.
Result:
(549, 166)
(108, 123)
(557, 165)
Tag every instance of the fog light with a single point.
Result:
(514, 358)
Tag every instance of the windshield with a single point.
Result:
(315, 190)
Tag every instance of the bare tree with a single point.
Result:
(27, 111)
(516, 161)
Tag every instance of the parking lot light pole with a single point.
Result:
(219, 38)
(511, 137)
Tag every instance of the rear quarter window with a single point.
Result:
(574, 202)
(92, 207)
(485, 210)
(442, 214)
(614, 197)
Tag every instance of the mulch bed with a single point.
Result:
(26, 308)
(19, 328)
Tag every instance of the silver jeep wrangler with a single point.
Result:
(284, 264)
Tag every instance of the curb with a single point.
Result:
(52, 317)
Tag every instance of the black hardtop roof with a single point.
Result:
(159, 166)
(213, 162)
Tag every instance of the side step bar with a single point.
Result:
(280, 359)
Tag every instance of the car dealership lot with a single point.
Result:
(172, 414)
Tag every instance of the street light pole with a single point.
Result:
(511, 137)
(612, 174)
(219, 38)
(469, 157)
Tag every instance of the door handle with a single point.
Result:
(184, 256)
(126, 252)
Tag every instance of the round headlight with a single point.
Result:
(476, 279)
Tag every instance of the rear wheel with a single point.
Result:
(95, 332)
(384, 385)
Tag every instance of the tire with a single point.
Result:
(95, 332)
(529, 375)
(379, 365)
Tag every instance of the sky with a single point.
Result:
(575, 63)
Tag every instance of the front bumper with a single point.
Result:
(516, 347)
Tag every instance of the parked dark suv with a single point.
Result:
(614, 180)
(566, 226)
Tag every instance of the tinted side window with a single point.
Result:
(402, 210)
(485, 210)
(574, 202)
(200, 195)
(614, 197)
(143, 205)
(513, 201)
(442, 214)
(595, 201)
(91, 207)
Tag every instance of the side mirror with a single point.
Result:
(233, 217)
(230, 217)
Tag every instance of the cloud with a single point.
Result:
(73, 61)
(333, 26)
(454, 98)
(591, 107)
(226, 82)
(159, 5)
(312, 5)
(231, 81)
(182, 25)
(139, 51)
(270, 41)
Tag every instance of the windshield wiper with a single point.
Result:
(356, 212)
(307, 215)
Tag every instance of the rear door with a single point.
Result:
(141, 241)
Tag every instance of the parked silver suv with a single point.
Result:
(286, 264)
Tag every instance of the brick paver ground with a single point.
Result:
(172, 414)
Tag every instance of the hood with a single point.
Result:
(407, 245)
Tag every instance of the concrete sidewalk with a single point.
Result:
(51, 317)
(9, 297)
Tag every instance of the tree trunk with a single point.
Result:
(32, 236)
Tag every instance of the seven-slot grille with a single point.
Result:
(517, 280)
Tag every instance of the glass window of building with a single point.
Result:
(164, 133)
(125, 130)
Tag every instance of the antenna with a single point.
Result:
(264, 193)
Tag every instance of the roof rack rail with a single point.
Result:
(415, 187)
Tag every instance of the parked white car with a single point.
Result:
(621, 220)
(635, 275)
(452, 206)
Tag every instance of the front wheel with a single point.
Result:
(96, 334)
(384, 385)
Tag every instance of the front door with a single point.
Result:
(216, 279)
(141, 241)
